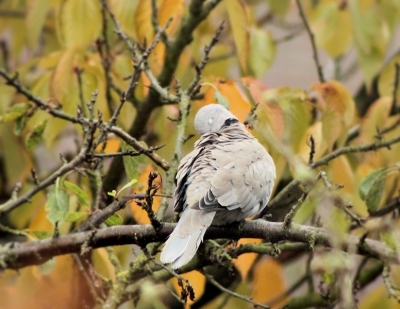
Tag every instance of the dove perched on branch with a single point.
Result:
(227, 178)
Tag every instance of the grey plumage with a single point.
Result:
(227, 178)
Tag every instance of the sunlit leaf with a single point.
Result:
(115, 219)
(83, 198)
(129, 184)
(112, 193)
(240, 29)
(35, 19)
(75, 216)
(262, 51)
(331, 25)
(81, 21)
(338, 110)
(221, 100)
(57, 204)
(35, 137)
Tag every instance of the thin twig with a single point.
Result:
(312, 39)
(354, 149)
(191, 90)
(223, 289)
(395, 87)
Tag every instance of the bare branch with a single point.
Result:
(314, 47)
(33, 253)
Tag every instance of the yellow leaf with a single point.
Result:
(29, 288)
(19, 162)
(315, 130)
(124, 10)
(197, 281)
(64, 79)
(102, 263)
(338, 110)
(386, 79)
(143, 26)
(81, 21)
(50, 61)
(268, 281)
(36, 15)
(296, 115)
(239, 24)
(372, 35)
(168, 9)
(239, 105)
(245, 261)
(331, 26)
(375, 118)
(262, 51)
(113, 145)
(378, 298)
(342, 173)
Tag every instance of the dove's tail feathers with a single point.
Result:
(186, 238)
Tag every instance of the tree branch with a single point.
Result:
(33, 253)
(314, 47)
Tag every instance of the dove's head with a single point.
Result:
(211, 118)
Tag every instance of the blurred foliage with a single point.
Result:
(64, 50)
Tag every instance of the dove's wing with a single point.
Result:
(243, 178)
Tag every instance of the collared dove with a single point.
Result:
(227, 178)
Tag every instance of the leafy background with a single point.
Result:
(264, 56)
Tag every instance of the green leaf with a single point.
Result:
(222, 100)
(112, 193)
(83, 198)
(20, 124)
(129, 184)
(389, 239)
(42, 234)
(34, 137)
(115, 219)
(262, 51)
(368, 181)
(15, 111)
(75, 216)
(372, 187)
(131, 164)
(375, 194)
(57, 204)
